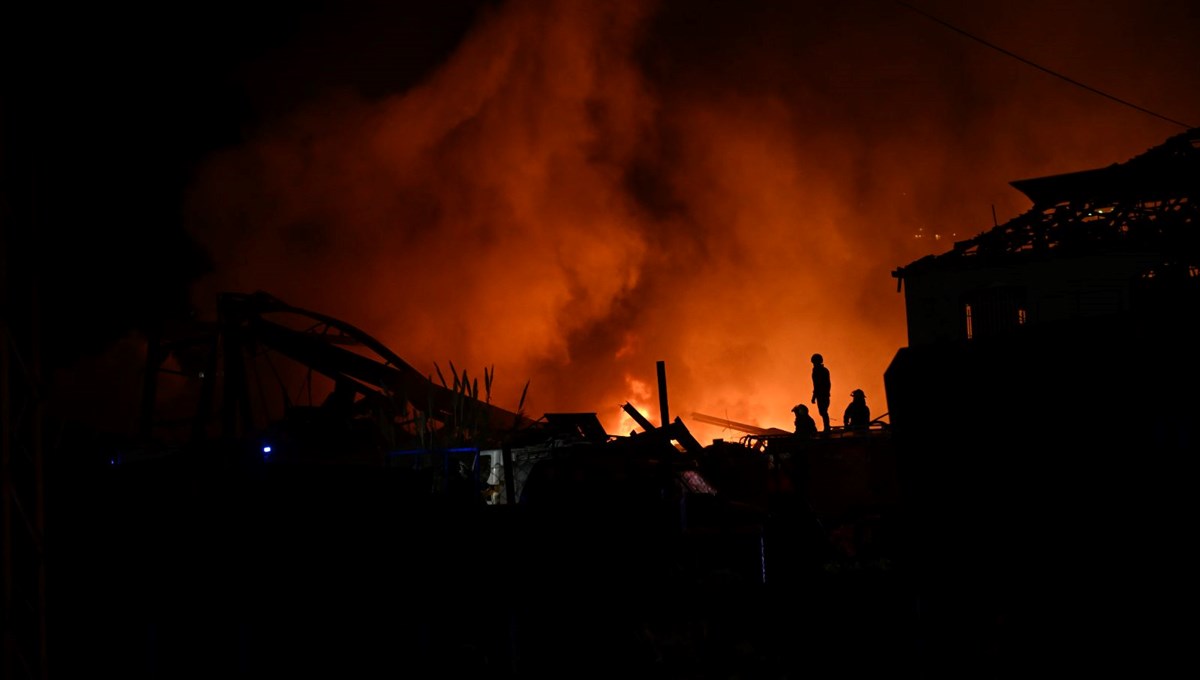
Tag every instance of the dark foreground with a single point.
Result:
(169, 570)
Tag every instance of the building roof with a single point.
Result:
(1149, 203)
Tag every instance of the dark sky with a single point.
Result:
(109, 110)
(567, 191)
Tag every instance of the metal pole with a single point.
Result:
(510, 480)
(662, 393)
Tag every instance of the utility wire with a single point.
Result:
(1018, 57)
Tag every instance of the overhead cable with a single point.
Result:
(1056, 74)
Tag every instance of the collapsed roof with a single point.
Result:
(1150, 203)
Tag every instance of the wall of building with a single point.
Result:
(1048, 291)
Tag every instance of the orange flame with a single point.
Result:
(584, 189)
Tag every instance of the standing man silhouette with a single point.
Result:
(821, 388)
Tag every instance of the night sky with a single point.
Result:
(569, 192)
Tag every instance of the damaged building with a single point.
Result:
(1045, 413)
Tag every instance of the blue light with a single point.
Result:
(266, 451)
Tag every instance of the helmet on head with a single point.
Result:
(858, 393)
(799, 408)
(817, 358)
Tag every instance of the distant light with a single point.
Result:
(266, 451)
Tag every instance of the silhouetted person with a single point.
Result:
(858, 414)
(821, 387)
(805, 425)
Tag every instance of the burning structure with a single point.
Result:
(330, 387)
(1016, 486)
(1044, 413)
(300, 477)
(1116, 243)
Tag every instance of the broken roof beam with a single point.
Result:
(685, 438)
(734, 425)
(638, 417)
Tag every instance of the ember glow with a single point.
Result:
(582, 190)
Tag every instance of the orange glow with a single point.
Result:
(579, 191)
(624, 424)
(643, 397)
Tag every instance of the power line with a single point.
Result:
(1056, 74)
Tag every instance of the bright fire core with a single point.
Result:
(582, 190)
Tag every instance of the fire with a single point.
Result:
(643, 399)
(583, 189)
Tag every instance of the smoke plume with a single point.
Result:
(582, 190)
